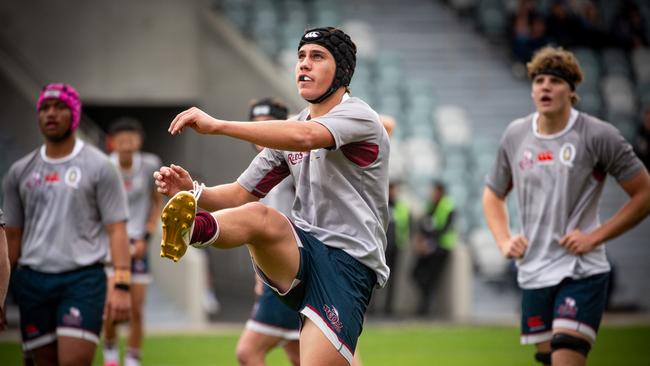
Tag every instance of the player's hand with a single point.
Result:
(576, 242)
(118, 306)
(172, 179)
(139, 249)
(514, 247)
(196, 119)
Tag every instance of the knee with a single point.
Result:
(265, 219)
(246, 355)
(562, 341)
(257, 209)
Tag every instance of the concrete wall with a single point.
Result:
(112, 51)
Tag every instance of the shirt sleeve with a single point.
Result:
(499, 177)
(615, 154)
(266, 171)
(13, 205)
(111, 196)
(349, 122)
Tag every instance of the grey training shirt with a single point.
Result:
(62, 206)
(341, 192)
(139, 185)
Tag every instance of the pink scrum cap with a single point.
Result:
(65, 93)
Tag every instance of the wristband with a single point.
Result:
(122, 276)
(122, 286)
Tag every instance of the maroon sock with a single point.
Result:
(205, 226)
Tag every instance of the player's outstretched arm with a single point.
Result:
(496, 216)
(634, 211)
(279, 135)
(173, 179)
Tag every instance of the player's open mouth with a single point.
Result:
(304, 78)
(545, 99)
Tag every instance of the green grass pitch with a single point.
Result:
(399, 345)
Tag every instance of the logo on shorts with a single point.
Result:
(569, 308)
(333, 317)
(567, 154)
(31, 330)
(535, 323)
(73, 318)
(73, 176)
(527, 162)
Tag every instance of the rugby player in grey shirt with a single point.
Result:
(326, 262)
(64, 208)
(556, 160)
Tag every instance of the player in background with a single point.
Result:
(326, 262)
(136, 169)
(5, 272)
(65, 207)
(556, 160)
(272, 322)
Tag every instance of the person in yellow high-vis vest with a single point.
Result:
(435, 238)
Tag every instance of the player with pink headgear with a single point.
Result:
(65, 206)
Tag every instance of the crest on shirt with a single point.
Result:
(567, 154)
(73, 176)
(527, 162)
(34, 180)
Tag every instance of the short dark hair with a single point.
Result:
(126, 124)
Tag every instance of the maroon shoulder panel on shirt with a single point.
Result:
(362, 153)
(271, 179)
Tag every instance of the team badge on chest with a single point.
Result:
(73, 177)
(567, 154)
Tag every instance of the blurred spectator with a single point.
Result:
(435, 238)
(562, 25)
(398, 237)
(529, 32)
(629, 27)
(594, 32)
(642, 142)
